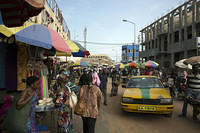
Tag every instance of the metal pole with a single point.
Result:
(85, 36)
(134, 32)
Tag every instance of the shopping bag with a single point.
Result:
(80, 108)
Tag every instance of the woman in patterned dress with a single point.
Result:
(30, 97)
(63, 108)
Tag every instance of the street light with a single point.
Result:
(124, 20)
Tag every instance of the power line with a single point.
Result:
(102, 43)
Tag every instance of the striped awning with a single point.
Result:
(15, 12)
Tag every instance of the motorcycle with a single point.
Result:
(181, 90)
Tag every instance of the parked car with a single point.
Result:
(146, 94)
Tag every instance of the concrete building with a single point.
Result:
(173, 36)
(52, 17)
(130, 53)
(98, 59)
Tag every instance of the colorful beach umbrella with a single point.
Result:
(120, 65)
(133, 64)
(73, 47)
(37, 35)
(82, 51)
(151, 64)
(84, 64)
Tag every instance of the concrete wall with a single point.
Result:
(166, 40)
(50, 18)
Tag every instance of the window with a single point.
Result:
(170, 39)
(160, 43)
(182, 34)
(156, 43)
(149, 45)
(152, 44)
(176, 36)
(189, 32)
(145, 83)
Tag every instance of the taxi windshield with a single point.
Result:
(145, 82)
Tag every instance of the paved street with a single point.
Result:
(113, 120)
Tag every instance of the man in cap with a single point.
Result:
(193, 90)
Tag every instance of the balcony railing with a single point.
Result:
(54, 6)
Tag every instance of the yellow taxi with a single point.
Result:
(146, 94)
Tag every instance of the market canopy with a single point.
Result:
(181, 64)
(82, 51)
(82, 63)
(151, 64)
(73, 47)
(16, 12)
(193, 60)
(120, 65)
(37, 35)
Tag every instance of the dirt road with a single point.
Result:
(113, 120)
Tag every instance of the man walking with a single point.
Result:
(193, 90)
(104, 79)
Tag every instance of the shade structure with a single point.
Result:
(180, 64)
(82, 51)
(151, 64)
(193, 60)
(58, 42)
(8, 32)
(137, 63)
(73, 47)
(84, 64)
(132, 64)
(37, 35)
(77, 63)
(16, 12)
(120, 65)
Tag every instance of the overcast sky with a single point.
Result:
(103, 19)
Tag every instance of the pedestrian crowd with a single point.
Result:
(83, 90)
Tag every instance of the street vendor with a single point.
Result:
(21, 116)
(193, 90)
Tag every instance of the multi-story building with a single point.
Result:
(52, 17)
(130, 53)
(98, 59)
(173, 36)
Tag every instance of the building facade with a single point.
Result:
(52, 17)
(130, 53)
(98, 59)
(172, 37)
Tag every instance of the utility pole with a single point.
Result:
(85, 36)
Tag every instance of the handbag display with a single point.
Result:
(72, 98)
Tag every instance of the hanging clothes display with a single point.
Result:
(21, 67)
(2, 65)
(11, 67)
(44, 81)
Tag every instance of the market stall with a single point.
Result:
(24, 53)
